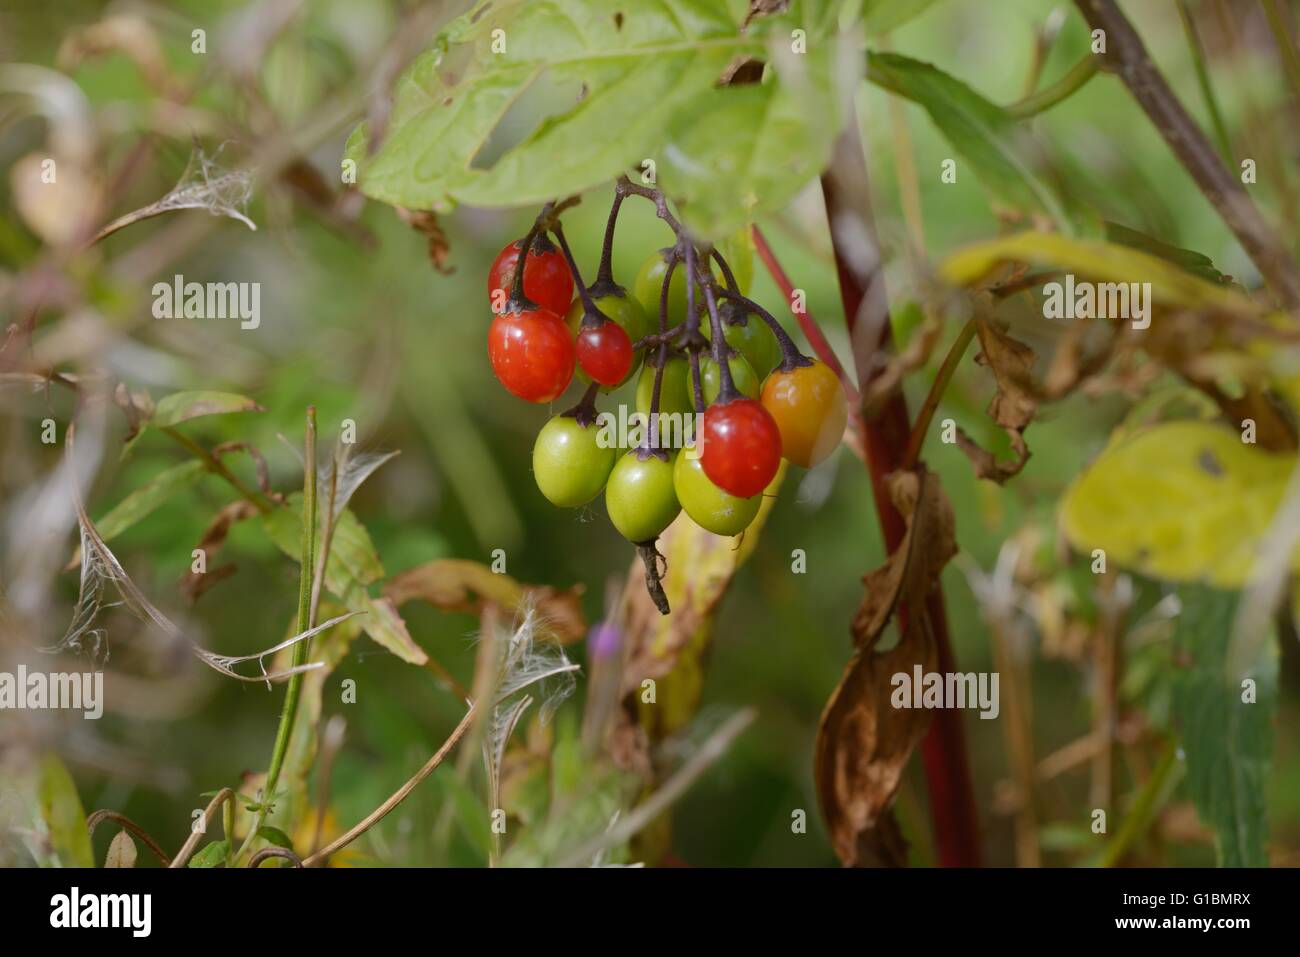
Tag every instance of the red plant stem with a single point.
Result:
(812, 332)
(885, 437)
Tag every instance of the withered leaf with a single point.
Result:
(927, 546)
(122, 852)
(459, 585)
(1014, 405)
(986, 463)
(426, 223)
(1011, 363)
(863, 741)
(194, 584)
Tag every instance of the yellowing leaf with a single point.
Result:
(670, 648)
(1182, 501)
(1098, 261)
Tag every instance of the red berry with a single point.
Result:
(605, 352)
(547, 280)
(532, 354)
(742, 447)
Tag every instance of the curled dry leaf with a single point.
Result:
(259, 461)
(459, 585)
(864, 741)
(194, 584)
(1014, 405)
(426, 223)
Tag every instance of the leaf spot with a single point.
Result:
(1209, 463)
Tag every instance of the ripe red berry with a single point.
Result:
(742, 447)
(605, 352)
(547, 280)
(532, 354)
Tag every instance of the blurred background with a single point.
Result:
(359, 319)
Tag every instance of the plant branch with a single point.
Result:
(217, 467)
(885, 438)
(812, 332)
(183, 855)
(657, 803)
(378, 814)
(1143, 807)
(1128, 57)
(935, 395)
(98, 817)
(306, 576)
(256, 860)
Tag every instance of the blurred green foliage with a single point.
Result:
(375, 334)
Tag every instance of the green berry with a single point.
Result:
(640, 497)
(569, 464)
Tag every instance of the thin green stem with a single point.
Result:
(1285, 46)
(306, 576)
(941, 380)
(1203, 80)
(1143, 808)
(1049, 96)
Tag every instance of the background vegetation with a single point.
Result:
(368, 319)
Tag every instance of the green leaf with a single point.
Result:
(60, 815)
(183, 406)
(621, 81)
(1195, 263)
(121, 852)
(211, 856)
(737, 248)
(882, 16)
(745, 150)
(273, 835)
(145, 499)
(353, 565)
(385, 626)
(1227, 742)
(981, 131)
(470, 813)
(1181, 501)
(353, 560)
(519, 102)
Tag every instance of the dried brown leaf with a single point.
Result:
(1013, 406)
(426, 223)
(863, 741)
(122, 852)
(1011, 362)
(459, 585)
(927, 546)
(194, 584)
(986, 464)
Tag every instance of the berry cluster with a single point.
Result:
(712, 351)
